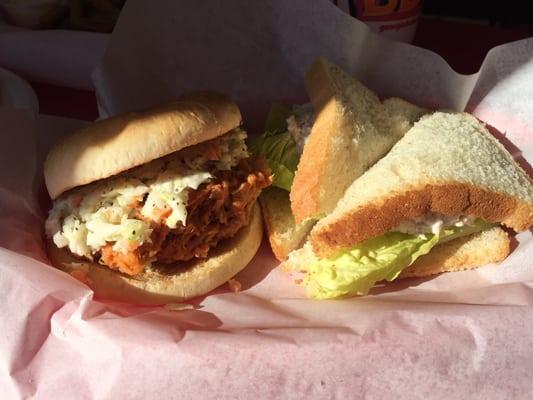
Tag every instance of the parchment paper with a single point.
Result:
(60, 57)
(460, 335)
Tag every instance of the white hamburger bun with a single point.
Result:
(111, 146)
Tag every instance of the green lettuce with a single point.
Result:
(278, 146)
(355, 271)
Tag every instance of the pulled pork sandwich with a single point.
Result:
(156, 206)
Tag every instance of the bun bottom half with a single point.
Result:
(161, 283)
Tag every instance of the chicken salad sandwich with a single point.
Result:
(436, 202)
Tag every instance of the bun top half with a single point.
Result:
(114, 145)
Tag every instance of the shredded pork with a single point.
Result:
(217, 210)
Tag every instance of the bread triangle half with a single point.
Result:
(284, 234)
(448, 163)
(119, 143)
(352, 130)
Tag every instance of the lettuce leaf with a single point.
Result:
(356, 271)
(278, 146)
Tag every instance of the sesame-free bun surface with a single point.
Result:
(111, 146)
(181, 281)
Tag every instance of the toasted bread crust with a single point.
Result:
(449, 199)
(350, 133)
(352, 130)
(310, 178)
(116, 144)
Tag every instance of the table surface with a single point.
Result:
(463, 45)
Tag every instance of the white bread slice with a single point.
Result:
(472, 251)
(352, 130)
(402, 115)
(447, 163)
(283, 233)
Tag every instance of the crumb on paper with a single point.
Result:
(178, 306)
(81, 275)
(76, 265)
(234, 285)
